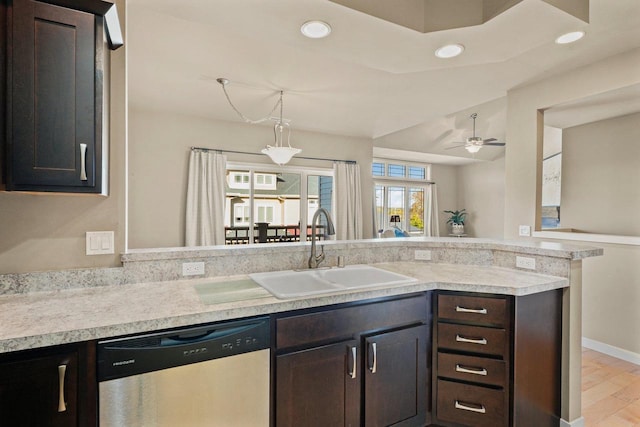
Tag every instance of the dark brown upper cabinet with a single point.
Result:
(54, 99)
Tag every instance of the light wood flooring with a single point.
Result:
(610, 391)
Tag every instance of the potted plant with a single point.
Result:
(457, 221)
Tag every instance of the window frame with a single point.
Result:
(304, 172)
(408, 184)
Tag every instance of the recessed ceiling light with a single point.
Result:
(315, 29)
(449, 51)
(570, 37)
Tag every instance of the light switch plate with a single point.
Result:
(99, 242)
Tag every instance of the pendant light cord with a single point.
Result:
(224, 82)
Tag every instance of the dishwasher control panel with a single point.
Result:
(124, 357)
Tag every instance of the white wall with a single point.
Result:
(158, 165)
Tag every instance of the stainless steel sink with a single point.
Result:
(292, 283)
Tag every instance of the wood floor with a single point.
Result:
(610, 391)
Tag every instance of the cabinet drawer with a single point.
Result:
(476, 339)
(470, 405)
(470, 368)
(472, 309)
(337, 323)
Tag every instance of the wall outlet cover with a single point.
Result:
(526, 262)
(192, 268)
(524, 230)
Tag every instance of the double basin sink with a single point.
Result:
(300, 283)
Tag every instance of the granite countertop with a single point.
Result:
(41, 319)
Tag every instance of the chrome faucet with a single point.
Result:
(315, 260)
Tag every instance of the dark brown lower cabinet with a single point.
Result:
(497, 359)
(377, 376)
(395, 378)
(319, 386)
(48, 387)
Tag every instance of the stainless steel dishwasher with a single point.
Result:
(214, 375)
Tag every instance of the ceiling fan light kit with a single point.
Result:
(474, 143)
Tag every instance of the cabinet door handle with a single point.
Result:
(471, 310)
(62, 371)
(470, 407)
(481, 341)
(374, 364)
(354, 358)
(83, 162)
(471, 370)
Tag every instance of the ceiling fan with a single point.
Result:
(475, 143)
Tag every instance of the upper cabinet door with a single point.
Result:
(55, 124)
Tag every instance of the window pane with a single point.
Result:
(416, 213)
(381, 223)
(416, 172)
(320, 195)
(396, 205)
(396, 171)
(378, 169)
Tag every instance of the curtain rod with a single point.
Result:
(260, 154)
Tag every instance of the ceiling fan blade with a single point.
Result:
(489, 140)
(456, 146)
(496, 144)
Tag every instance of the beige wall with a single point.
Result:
(158, 165)
(523, 121)
(523, 167)
(446, 178)
(611, 297)
(42, 232)
(601, 176)
(481, 192)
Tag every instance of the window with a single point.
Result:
(282, 199)
(400, 193)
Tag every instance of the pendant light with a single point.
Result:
(279, 153)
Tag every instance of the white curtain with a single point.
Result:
(348, 199)
(431, 228)
(205, 199)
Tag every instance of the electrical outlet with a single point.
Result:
(422, 255)
(526, 262)
(192, 268)
(524, 230)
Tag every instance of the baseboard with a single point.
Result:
(578, 422)
(618, 353)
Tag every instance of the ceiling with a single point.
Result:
(370, 78)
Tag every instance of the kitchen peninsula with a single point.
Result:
(149, 294)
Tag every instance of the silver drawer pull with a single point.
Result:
(481, 341)
(471, 310)
(83, 162)
(354, 358)
(62, 370)
(374, 366)
(465, 407)
(471, 370)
